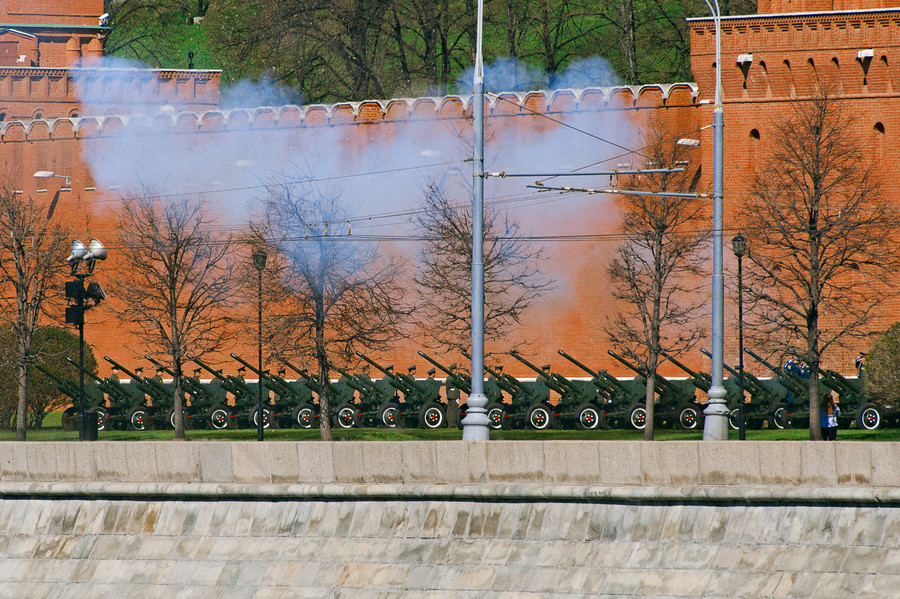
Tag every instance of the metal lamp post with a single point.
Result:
(75, 290)
(476, 424)
(259, 262)
(739, 245)
(715, 427)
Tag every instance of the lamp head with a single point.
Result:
(259, 259)
(78, 252)
(739, 245)
(95, 250)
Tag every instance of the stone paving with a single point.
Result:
(513, 535)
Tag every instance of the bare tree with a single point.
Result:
(175, 280)
(343, 294)
(821, 237)
(33, 247)
(657, 269)
(512, 276)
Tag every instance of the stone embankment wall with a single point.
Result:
(449, 519)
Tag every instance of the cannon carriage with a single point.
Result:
(245, 409)
(675, 403)
(157, 405)
(120, 400)
(308, 414)
(574, 398)
(207, 407)
(621, 399)
(93, 398)
(421, 399)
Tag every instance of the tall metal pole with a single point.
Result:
(259, 385)
(742, 427)
(259, 262)
(715, 427)
(476, 426)
(82, 420)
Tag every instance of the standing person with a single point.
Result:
(828, 418)
(860, 364)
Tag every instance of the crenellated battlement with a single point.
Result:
(344, 113)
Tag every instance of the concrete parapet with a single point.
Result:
(449, 519)
(605, 463)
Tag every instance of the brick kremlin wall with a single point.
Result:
(781, 56)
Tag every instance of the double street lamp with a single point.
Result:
(739, 245)
(84, 299)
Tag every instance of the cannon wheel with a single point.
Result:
(734, 419)
(136, 419)
(688, 417)
(868, 417)
(496, 414)
(778, 417)
(539, 417)
(102, 418)
(70, 419)
(303, 416)
(267, 417)
(345, 416)
(637, 417)
(587, 417)
(388, 414)
(432, 416)
(218, 417)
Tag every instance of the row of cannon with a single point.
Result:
(551, 400)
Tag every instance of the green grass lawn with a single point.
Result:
(52, 431)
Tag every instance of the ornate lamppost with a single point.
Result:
(259, 262)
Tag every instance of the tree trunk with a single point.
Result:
(178, 403)
(22, 394)
(324, 392)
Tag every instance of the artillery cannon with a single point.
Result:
(377, 399)
(420, 398)
(245, 396)
(92, 396)
(293, 404)
(767, 399)
(578, 400)
(207, 408)
(796, 406)
(620, 396)
(499, 413)
(867, 413)
(140, 416)
(343, 395)
(120, 399)
(675, 401)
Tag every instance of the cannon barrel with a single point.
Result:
(701, 380)
(577, 363)
(53, 377)
(64, 386)
(87, 372)
(763, 361)
(122, 368)
(460, 380)
(660, 381)
(402, 382)
(355, 382)
(557, 382)
(148, 386)
(726, 366)
(310, 380)
(158, 364)
(216, 373)
(752, 384)
(248, 365)
(115, 390)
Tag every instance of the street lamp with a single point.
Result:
(715, 427)
(739, 245)
(84, 300)
(476, 424)
(259, 262)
